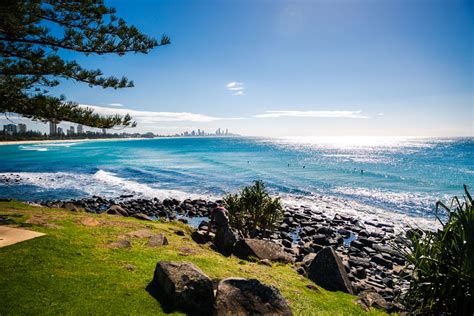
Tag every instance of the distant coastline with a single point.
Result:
(46, 141)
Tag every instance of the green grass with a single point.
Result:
(71, 270)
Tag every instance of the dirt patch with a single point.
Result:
(124, 224)
(52, 226)
(37, 220)
(89, 222)
(142, 233)
(120, 244)
(186, 252)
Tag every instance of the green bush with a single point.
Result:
(253, 211)
(443, 263)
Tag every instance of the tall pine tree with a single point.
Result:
(32, 35)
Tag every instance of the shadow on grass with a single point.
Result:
(10, 219)
(166, 305)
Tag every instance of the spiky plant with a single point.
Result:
(443, 260)
(253, 210)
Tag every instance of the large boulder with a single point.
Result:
(201, 236)
(117, 210)
(327, 271)
(260, 249)
(157, 240)
(225, 240)
(185, 287)
(236, 296)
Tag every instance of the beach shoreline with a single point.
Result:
(82, 140)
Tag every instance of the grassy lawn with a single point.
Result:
(72, 270)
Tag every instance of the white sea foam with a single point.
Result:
(110, 185)
(331, 206)
(101, 183)
(36, 148)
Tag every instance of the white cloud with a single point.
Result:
(324, 114)
(116, 104)
(380, 114)
(234, 84)
(153, 117)
(237, 88)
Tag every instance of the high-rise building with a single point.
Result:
(80, 129)
(21, 128)
(104, 131)
(10, 129)
(53, 128)
(60, 131)
(70, 131)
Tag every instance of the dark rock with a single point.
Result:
(71, 207)
(142, 216)
(260, 249)
(286, 243)
(119, 244)
(301, 270)
(369, 250)
(236, 296)
(370, 298)
(325, 230)
(201, 236)
(366, 242)
(379, 259)
(359, 262)
(308, 259)
(328, 271)
(360, 273)
(357, 244)
(180, 232)
(344, 232)
(185, 286)
(225, 240)
(157, 240)
(320, 239)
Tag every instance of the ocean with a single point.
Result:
(399, 179)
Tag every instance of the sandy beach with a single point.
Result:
(29, 142)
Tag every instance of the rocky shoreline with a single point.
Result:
(366, 249)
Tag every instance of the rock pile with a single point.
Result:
(188, 289)
(365, 248)
(141, 208)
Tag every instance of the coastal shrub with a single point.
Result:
(253, 210)
(443, 260)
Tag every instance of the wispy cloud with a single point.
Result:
(153, 117)
(237, 88)
(323, 114)
(116, 104)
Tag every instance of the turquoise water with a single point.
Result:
(402, 175)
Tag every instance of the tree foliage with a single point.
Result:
(443, 260)
(33, 33)
(253, 210)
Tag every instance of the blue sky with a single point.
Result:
(286, 68)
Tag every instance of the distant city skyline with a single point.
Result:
(304, 68)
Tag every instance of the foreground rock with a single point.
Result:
(260, 249)
(225, 240)
(236, 296)
(185, 286)
(327, 271)
(157, 240)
